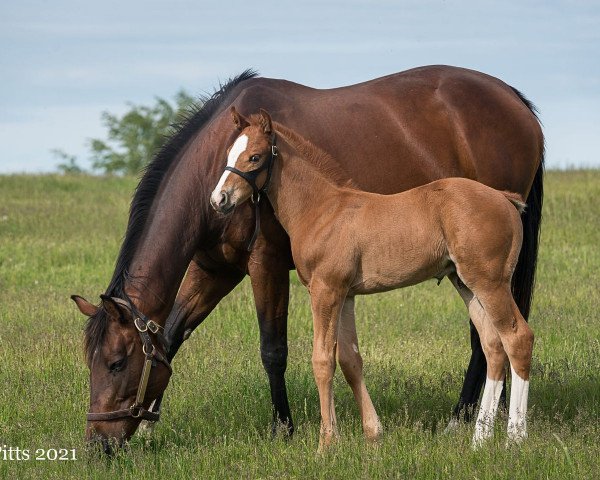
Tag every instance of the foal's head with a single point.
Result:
(115, 357)
(249, 160)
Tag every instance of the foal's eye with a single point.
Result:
(255, 158)
(118, 365)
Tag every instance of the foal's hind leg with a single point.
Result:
(495, 357)
(517, 339)
(351, 364)
(497, 309)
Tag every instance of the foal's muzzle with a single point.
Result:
(221, 202)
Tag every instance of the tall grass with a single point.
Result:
(60, 235)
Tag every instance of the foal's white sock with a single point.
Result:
(484, 428)
(517, 413)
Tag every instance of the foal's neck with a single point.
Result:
(305, 179)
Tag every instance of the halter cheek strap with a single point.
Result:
(143, 325)
(257, 193)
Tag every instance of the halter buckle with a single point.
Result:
(274, 150)
(140, 325)
(153, 326)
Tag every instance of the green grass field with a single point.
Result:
(60, 235)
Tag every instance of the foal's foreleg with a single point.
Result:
(326, 307)
(351, 364)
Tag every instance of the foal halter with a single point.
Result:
(257, 193)
(144, 326)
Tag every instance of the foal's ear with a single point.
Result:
(84, 306)
(265, 122)
(114, 309)
(239, 121)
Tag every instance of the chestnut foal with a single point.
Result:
(347, 242)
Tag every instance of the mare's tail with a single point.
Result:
(524, 276)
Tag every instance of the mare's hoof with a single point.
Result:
(283, 430)
(146, 428)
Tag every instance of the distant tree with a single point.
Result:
(133, 138)
(69, 164)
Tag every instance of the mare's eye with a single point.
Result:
(118, 365)
(255, 158)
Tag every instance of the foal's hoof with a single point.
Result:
(326, 441)
(516, 434)
(484, 430)
(478, 442)
(373, 433)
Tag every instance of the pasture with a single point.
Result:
(61, 235)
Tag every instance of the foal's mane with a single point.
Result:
(327, 166)
(198, 115)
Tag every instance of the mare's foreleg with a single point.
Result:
(351, 364)
(199, 294)
(269, 275)
(326, 308)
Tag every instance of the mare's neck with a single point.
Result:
(299, 185)
(179, 221)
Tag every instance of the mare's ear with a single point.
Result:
(239, 121)
(265, 122)
(84, 306)
(114, 309)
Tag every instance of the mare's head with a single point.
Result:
(118, 346)
(249, 162)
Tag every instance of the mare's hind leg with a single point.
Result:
(495, 356)
(326, 308)
(351, 364)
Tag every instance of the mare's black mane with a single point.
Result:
(197, 116)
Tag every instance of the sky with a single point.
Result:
(62, 63)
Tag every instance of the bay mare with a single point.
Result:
(346, 242)
(438, 121)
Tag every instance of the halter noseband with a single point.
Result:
(257, 193)
(143, 325)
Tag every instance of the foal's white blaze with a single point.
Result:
(484, 427)
(238, 147)
(517, 412)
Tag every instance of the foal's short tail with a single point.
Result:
(516, 200)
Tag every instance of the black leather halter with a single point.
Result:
(144, 326)
(257, 193)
